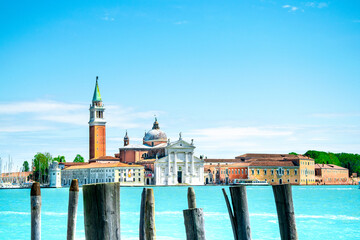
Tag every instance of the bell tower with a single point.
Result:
(126, 139)
(97, 143)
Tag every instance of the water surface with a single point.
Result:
(322, 212)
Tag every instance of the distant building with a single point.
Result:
(274, 172)
(179, 165)
(101, 172)
(154, 143)
(55, 175)
(224, 172)
(274, 168)
(330, 174)
(166, 163)
(15, 177)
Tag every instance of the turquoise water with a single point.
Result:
(322, 212)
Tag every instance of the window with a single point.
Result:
(295, 171)
(258, 171)
(272, 171)
(288, 180)
(288, 172)
(265, 172)
(295, 180)
(139, 179)
(272, 180)
(252, 171)
(242, 171)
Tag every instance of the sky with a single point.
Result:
(236, 76)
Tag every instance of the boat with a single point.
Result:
(250, 182)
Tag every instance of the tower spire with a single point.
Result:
(97, 96)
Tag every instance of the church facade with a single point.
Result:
(165, 162)
(179, 165)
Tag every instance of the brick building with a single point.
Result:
(330, 174)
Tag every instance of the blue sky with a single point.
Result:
(236, 76)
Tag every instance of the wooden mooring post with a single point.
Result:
(193, 218)
(149, 215)
(72, 209)
(239, 212)
(285, 211)
(102, 211)
(142, 215)
(35, 196)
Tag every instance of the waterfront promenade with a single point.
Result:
(322, 212)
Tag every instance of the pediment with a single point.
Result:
(180, 144)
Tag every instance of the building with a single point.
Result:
(15, 177)
(154, 143)
(274, 171)
(179, 165)
(55, 175)
(97, 131)
(155, 153)
(218, 171)
(274, 168)
(306, 170)
(330, 174)
(103, 172)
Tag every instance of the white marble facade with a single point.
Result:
(179, 166)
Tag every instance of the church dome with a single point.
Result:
(155, 134)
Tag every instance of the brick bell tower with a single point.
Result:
(97, 143)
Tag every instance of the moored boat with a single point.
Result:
(250, 182)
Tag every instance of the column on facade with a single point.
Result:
(169, 160)
(192, 164)
(175, 169)
(186, 164)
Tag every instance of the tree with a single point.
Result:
(25, 166)
(78, 158)
(40, 164)
(59, 159)
(294, 153)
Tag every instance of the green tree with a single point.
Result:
(41, 164)
(78, 158)
(59, 159)
(294, 153)
(26, 166)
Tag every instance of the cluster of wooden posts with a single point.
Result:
(102, 213)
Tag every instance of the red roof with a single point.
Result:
(273, 163)
(16, 174)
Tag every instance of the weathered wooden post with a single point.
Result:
(72, 209)
(149, 215)
(193, 218)
(102, 211)
(142, 215)
(35, 196)
(239, 213)
(285, 211)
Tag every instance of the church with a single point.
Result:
(165, 162)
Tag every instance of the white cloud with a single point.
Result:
(37, 107)
(51, 112)
(229, 133)
(291, 8)
(316, 4)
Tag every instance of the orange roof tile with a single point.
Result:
(102, 165)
